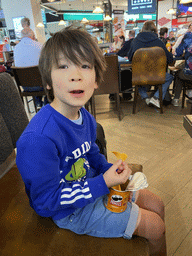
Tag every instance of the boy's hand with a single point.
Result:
(117, 174)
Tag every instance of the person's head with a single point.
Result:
(25, 22)
(27, 32)
(190, 27)
(171, 35)
(131, 34)
(70, 47)
(122, 39)
(149, 26)
(163, 32)
(115, 39)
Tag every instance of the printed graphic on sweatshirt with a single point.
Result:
(77, 170)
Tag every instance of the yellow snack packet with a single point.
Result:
(121, 156)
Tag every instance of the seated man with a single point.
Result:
(26, 54)
(186, 72)
(126, 46)
(149, 38)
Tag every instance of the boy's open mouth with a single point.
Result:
(76, 91)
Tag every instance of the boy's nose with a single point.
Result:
(75, 79)
(75, 75)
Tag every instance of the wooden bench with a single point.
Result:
(25, 233)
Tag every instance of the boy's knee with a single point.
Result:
(159, 227)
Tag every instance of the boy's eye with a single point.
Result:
(63, 66)
(86, 66)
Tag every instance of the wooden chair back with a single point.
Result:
(28, 77)
(149, 68)
(110, 83)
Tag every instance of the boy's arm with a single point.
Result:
(97, 160)
(38, 163)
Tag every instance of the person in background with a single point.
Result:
(171, 36)
(179, 36)
(25, 23)
(149, 38)
(126, 75)
(122, 40)
(185, 73)
(116, 46)
(26, 54)
(66, 178)
(163, 34)
(126, 46)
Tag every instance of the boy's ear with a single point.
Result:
(48, 87)
(96, 85)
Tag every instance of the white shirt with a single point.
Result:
(116, 46)
(27, 52)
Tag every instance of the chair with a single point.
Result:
(13, 120)
(187, 85)
(110, 84)
(148, 68)
(28, 77)
(26, 233)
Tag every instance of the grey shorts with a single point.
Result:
(96, 220)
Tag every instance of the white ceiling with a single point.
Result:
(87, 5)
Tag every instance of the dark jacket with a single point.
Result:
(186, 46)
(125, 48)
(145, 40)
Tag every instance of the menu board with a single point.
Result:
(141, 6)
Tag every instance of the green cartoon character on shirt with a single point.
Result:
(77, 170)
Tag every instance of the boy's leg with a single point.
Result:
(151, 226)
(150, 222)
(149, 201)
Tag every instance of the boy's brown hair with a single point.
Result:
(76, 45)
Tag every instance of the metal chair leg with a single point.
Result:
(161, 98)
(183, 97)
(135, 99)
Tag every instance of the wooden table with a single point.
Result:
(187, 123)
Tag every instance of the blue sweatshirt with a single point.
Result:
(60, 163)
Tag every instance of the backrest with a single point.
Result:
(110, 82)
(27, 76)
(11, 107)
(149, 66)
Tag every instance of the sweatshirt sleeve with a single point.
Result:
(38, 162)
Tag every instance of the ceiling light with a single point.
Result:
(98, 10)
(84, 20)
(107, 18)
(51, 1)
(172, 11)
(40, 25)
(185, 1)
(62, 22)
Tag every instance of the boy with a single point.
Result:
(66, 177)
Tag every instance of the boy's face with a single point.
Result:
(72, 85)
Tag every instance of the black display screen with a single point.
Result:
(141, 6)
